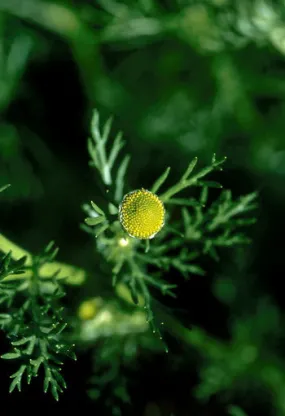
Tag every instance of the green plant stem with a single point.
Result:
(72, 275)
(185, 183)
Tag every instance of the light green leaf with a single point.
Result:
(193, 268)
(190, 168)
(21, 341)
(106, 129)
(97, 209)
(95, 221)
(120, 178)
(209, 184)
(11, 355)
(113, 209)
(160, 181)
(4, 187)
(47, 378)
(236, 411)
(101, 229)
(188, 202)
(117, 146)
(17, 378)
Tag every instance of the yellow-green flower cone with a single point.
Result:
(142, 214)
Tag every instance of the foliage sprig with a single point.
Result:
(209, 227)
(34, 321)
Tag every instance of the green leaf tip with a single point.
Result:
(94, 221)
(189, 169)
(160, 181)
(11, 355)
(5, 187)
(113, 209)
(97, 209)
(236, 411)
(101, 229)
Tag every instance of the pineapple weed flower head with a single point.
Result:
(142, 214)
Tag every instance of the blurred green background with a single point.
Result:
(182, 79)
